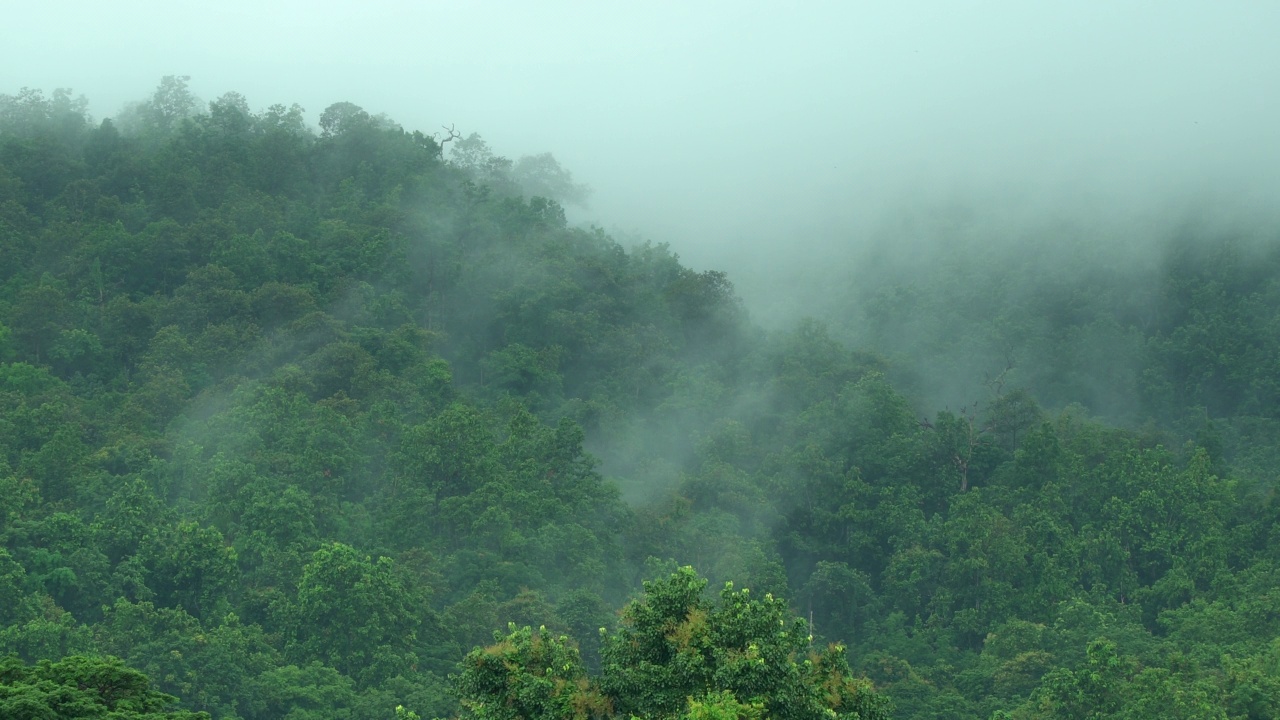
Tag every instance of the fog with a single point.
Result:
(758, 138)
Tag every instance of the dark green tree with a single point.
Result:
(356, 615)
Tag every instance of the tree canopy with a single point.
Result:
(292, 420)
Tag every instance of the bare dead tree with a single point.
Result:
(971, 430)
(451, 135)
(973, 437)
(996, 384)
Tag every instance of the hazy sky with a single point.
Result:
(740, 132)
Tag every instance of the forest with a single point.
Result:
(349, 422)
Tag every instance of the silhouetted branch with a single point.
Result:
(453, 134)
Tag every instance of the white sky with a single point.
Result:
(738, 131)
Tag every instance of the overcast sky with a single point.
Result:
(736, 130)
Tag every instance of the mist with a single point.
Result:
(823, 156)
(760, 139)
(952, 329)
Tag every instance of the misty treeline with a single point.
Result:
(292, 422)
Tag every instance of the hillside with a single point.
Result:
(291, 421)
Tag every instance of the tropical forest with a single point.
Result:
(351, 422)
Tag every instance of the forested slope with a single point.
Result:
(291, 421)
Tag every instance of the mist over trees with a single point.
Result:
(352, 423)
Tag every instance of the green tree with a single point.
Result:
(675, 654)
(171, 103)
(190, 566)
(83, 687)
(1095, 690)
(530, 675)
(542, 176)
(355, 614)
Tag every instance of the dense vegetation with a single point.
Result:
(292, 422)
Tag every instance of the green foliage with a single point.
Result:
(528, 674)
(675, 655)
(211, 665)
(290, 419)
(355, 614)
(82, 687)
(189, 567)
